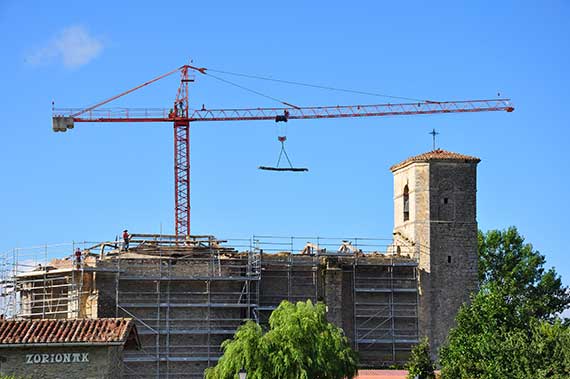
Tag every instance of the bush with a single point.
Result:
(420, 364)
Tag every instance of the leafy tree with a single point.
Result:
(549, 348)
(511, 328)
(300, 344)
(486, 345)
(507, 261)
(419, 364)
(247, 350)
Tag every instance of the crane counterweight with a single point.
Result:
(62, 123)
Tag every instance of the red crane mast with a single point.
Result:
(181, 116)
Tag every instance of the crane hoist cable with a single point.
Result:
(282, 153)
(281, 138)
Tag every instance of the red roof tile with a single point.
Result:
(386, 374)
(67, 331)
(381, 374)
(436, 155)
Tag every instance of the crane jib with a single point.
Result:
(63, 121)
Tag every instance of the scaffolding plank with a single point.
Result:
(186, 305)
(188, 331)
(171, 359)
(386, 340)
(190, 278)
(386, 290)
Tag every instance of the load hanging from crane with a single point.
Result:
(282, 139)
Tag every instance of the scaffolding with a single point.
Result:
(379, 288)
(385, 310)
(31, 287)
(188, 295)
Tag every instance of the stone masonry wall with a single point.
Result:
(453, 243)
(104, 362)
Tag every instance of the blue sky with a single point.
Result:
(92, 182)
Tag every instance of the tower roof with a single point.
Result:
(435, 155)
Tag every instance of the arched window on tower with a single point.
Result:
(406, 203)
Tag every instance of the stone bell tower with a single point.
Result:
(435, 211)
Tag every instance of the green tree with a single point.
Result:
(419, 364)
(300, 344)
(507, 261)
(247, 350)
(511, 328)
(488, 345)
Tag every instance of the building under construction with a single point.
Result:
(187, 295)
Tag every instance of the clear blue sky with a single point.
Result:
(92, 182)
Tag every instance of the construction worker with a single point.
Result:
(78, 258)
(126, 238)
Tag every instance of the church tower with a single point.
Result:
(435, 212)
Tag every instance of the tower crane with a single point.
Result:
(181, 117)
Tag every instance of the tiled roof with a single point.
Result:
(381, 374)
(68, 331)
(436, 155)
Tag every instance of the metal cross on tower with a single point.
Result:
(433, 135)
